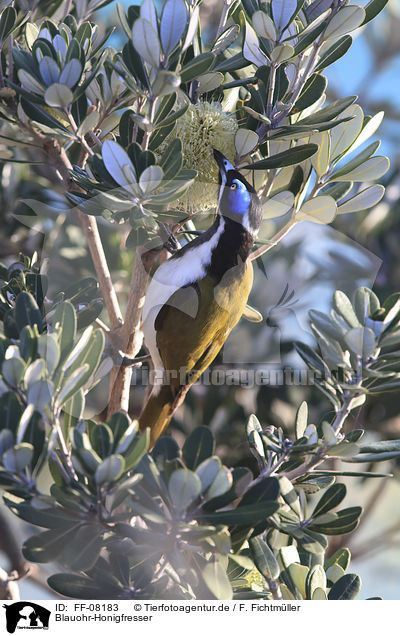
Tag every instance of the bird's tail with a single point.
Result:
(159, 409)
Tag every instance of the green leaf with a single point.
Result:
(243, 515)
(345, 521)
(146, 42)
(77, 586)
(316, 580)
(199, 446)
(380, 447)
(109, 470)
(13, 371)
(341, 557)
(330, 499)
(27, 312)
(18, 457)
(344, 307)
(321, 209)
(346, 19)
(329, 112)
(346, 588)
(197, 66)
(217, 581)
(301, 419)
(207, 471)
(312, 91)
(264, 559)
(74, 382)
(364, 200)
(172, 24)
(373, 168)
(285, 158)
(7, 21)
(140, 447)
(361, 341)
(373, 8)
(84, 550)
(298, 575)
(40, 394)
(65, 318)
(47, 546)
(184, 487)
(58, 95)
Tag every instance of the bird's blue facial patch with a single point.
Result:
(239, 198)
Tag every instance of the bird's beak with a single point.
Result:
(223, 164)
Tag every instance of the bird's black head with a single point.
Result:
(237, 198)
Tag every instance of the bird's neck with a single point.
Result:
(232, 244)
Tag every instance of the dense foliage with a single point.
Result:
(128, 135)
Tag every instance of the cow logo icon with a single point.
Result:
(26, 615)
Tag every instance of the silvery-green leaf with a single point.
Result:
(73, 383)
(79, 347)
(329, 434)
(58, 95)
(192, 28)
(29, 82)
(39, 394)
(184, 487)
(251, 49)
(347, 19)
(24, 421)
(71, 73)
(289, 554)
(361, 341)
(48, 350)
(109, 470)
(282, 11)
(13, 371)
(145, 40)
(31, 33)
(115, 160)
(49, 70)
(281, 53)
(320, 209)
(6, 440)
(363, 200)
(128, 437)
(372, 169)
(320, 161)
(367, 131)
(89, 123)
(207, 471)
(221, 483)
(311, 433)
(226, 39)
(209, 82)
(173, 24)
(298, 575)
(150, 178)
(60, 46)
(301, 419)
(34, 372)
(165, 83)
(264, 26)
(18, 457)
(344, 135)
(289, 494)
(148, 12)
(343, 306)
(278, 205)
(245, 141)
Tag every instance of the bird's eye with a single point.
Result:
(234, 186)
